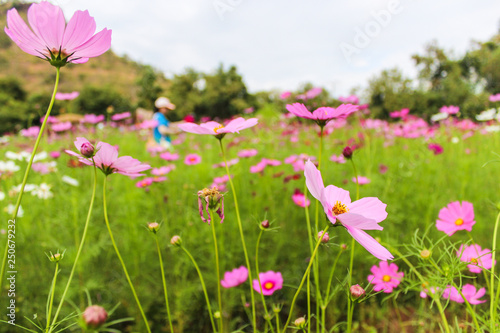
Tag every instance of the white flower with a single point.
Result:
(492, 128)
(10, 210)
(439, 116)
(43, 191)
(39, 157)
(2, 196)
(16, 189)
(17, 156)
(8, 166)
(70, 181)
(486, 115)
(455, 140)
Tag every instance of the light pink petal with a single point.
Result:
(467, 211)
(299, 110)
(48, 23)
(358, 221)
(196, 129)
(106, 154)
(370, 207)
(446, 227)
(79, 142)
(97, 45)
(370, 244)
(332, 194)
(314, 181)
(81, 27)
(22, 35)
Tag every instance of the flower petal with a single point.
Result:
(370, 244)
(370, 207)
(314, 181)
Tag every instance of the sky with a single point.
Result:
(282, 44)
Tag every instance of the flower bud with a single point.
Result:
(326, 237)
(176, 240)
(343, 246)
(357, 291)
(87, 149)
(94, 316)
(153, 227)
(425, 254)
(347, 152)
(217, 314)
(265, 224)
(300, 323)
(56, 257)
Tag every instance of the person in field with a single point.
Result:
(164, 128)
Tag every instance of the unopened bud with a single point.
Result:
(425, 254)
(343, 246)
(153, 227)
(87, 149)
(217, 314)
(56, 257)
(326, 237)
(95, 316)
(300, 323)
(357, 291)
(347, 152)
(264, 224)
(176, 240)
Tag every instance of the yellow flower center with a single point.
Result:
(339, 208)
(459, 222)
(474, 261)
(218, 128)
(386, 278)
(268, 285)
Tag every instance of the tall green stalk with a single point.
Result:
(26, 173)
(493, 304)
(202, 285)
(120, 257)
(304, 278)
(240, 227)
(84, 235)
(164, 283)
(266, 317)
(316, 260)
(51, 299)
(219, 295)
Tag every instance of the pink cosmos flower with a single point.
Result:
(477, 257)
(270, 282)
(449, 109)
(55, 154)
(219, 130)
(468, 290)
(338, 159)
(67, 96)
(385, 277)
(229, 163)
(361, 180)
(121, 116)
(323, 114)
(247, 153)
(456, 217)
(213, 199)
(50, 120)
(430, 290)
(168, 156)
(144, 182)
(352, 99)
(436, 148)
(162, 170)
(363, 214)
(300, 200)
(92, 119)
(235, 277)
(285, 94)
(31, 132)
(382, 168)
(314, 92)
(51, 39)
(148, 124)
(192, 159)
(403, 114)
(106, 158)
(61, 127)
(494, 98)
(259, 167)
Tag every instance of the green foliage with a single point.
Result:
(149, 89)
(12, 87)
(97, 99)
(13, 113)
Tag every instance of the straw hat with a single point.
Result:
(163, 102)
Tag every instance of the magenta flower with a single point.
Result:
(468, 290)
(285, 94)
(247, 153)
(144, 182)
(31, 132)
(168, 156)
(436, 148)
(403, 114)
(214, 200)
(192, 159)
(162, 170)
(494, 98)
(270, 282)
(456, 217)
(385, 277)
(235, 277)
(300, 200)
(363, 214)
(51, 39)
(323, 114)
(477, 257)
(61, 127)
(449, 109)
(67, 96)
(219, 130)
(106, 158)
(92, 118)
(352, 99)
(121, 116)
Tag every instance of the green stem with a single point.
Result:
(351, 260)
(202, 285)
(26, 173)
(493, 308)
(52, 292)
(327, 294)
(267, 317)
(311, 247)
(316, 262)
(80, 247)
(304, 277)
(240, 227)
(212, 222)
(164, 283)
(120, 257)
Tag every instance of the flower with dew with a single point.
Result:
(385, 277)
(219, 130)
(456, 216)
(192, 159)
(323, 114)
(270, 282)
(357, 216)
(107, 160)
(468, 290)
(235, 277)
(213, 200)
(477, 257)
(300, 199)
(51, 39)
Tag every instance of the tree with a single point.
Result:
(149, 89)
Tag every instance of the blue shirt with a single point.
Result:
(162, 121)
